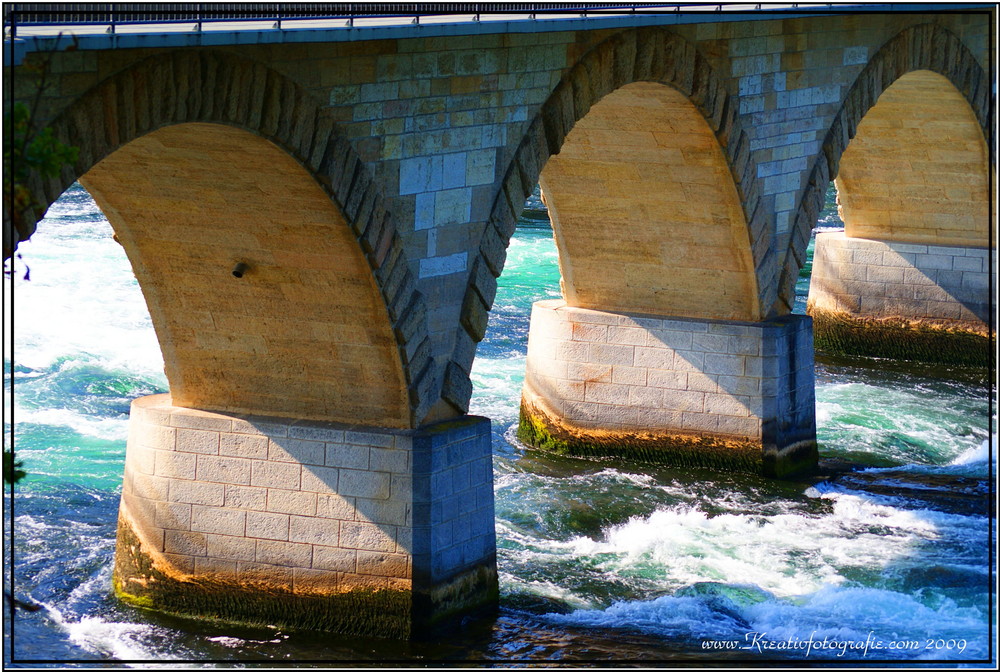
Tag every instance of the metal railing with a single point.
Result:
(114, 15)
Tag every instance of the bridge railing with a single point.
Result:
(111, 16)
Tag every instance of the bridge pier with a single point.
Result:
(901, 300)
(306, 524)
(713, 393)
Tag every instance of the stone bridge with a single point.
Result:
(314, 457)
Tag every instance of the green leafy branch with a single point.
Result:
(30, 151)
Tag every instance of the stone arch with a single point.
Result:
(638, 55)
(207, 87)
(920, 47)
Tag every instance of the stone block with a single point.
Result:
(150, 487)
(240, 445)
(315, 431)
(175, 465)
(597, 373)
(296, 450)
(591, 333)
(683, 400)
(383, 512)
(210, 565)
(215, 469)
(383, 564)
(231, 548)
(744, 345)
(606, 393)
(197, 441)
(242, 497)
(347, 456)
(702, 382)
(725, 404)
(390, 460)
(321, 479)
(937, 261)
(575, 351)
(676, 380)
(173, 516)
(260, 525)
(158, 438)
(368, 484)
(218, 520)
(367, 536)
(644, 397)
(334, 559)
(332, 505)
(629, 375)
(970, 264)
(312, 530)
(653, 358)
(283, 553)
(276, 475)
(184, 543)
(289, 501)
(201, 420)
(195, 492)
(724, 364)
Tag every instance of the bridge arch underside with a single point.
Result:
(908, 277)
(658, 351)
(304, 333)
(645, 213)
(917, 169)
(277, 482)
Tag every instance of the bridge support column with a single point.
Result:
(901, 300)
(686, 392)
(304, 524)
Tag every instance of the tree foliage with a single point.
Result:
(30, 151)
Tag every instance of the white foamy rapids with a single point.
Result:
(496, 385)
(82, 301)
(833, 622)
(111, 429)
(854, 614)
(983, 454)
(107, 639)
(513, 584)
(974, 462)
(785, 555)
(680, 617)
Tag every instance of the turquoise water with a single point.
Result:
(601, 561)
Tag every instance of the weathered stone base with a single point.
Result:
(905, 301)
(932, 341)
(384, 533)
(724, 395)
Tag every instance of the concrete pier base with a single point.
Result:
(302, 524)
(707, 393)
(901, 300)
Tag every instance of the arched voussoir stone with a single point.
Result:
(648, 54)
(207, 86)
(919, 47)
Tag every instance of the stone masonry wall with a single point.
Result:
(601, 370)
(889, 279)
(306, 507)
(437, 120)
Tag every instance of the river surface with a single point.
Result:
(599, 560)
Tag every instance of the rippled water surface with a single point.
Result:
(601, 561)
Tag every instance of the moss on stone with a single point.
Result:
(895, 338)
(369, 612)
(676, 450)
(475, 591)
